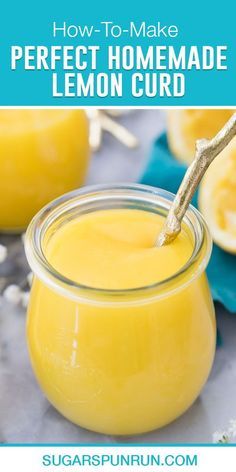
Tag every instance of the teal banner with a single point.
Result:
(118, 54)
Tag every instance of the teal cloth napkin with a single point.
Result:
(164, 171)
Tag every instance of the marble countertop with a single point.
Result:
(25, 414)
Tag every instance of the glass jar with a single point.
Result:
(119, 361)
(184, 127)
(43, 154)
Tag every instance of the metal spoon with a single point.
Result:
(206, 151)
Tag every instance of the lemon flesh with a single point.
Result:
(184, 127)
(217, 198)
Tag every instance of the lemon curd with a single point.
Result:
(121, 333)
(43, 153)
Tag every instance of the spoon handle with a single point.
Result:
(206, 151)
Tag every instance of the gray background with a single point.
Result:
(25, 414)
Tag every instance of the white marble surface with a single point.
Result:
(25, 414)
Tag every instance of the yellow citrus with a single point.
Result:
(217, 198)
(184, 127)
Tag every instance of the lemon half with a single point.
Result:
(184, 127)
(217, 198)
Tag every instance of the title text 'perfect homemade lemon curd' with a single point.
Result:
(121, 333)
(43, 154)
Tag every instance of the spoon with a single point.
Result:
(206, 151)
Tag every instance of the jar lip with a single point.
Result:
(46, 216)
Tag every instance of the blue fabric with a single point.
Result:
(164, 171)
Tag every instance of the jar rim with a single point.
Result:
(152, 195)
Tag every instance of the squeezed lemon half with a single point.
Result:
(184, 127)
(217, 198)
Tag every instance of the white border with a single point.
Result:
(108, 107)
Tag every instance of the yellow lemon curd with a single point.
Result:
(134, 364)
(43, 153)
